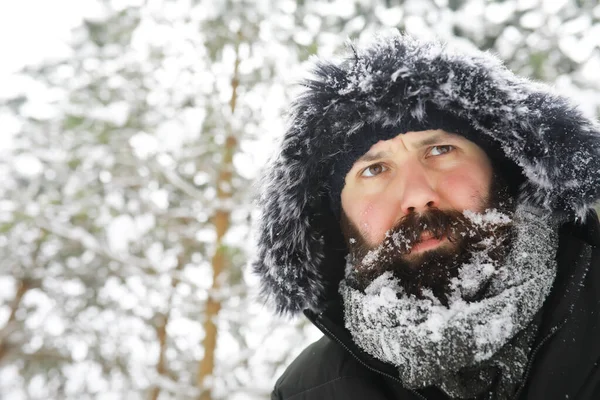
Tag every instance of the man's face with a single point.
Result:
(409, 182)
(414, 172)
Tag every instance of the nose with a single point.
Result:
(415, 191)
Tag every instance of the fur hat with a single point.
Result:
(394, 85)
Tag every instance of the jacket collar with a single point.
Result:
(576, 242)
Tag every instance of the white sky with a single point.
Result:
(33, 30)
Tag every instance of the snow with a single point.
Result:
(28, 165)
(120, 232)
(128, 222)
(488, 218)
(472, 276)
(41, 34)
(391, 16)
(144, 145)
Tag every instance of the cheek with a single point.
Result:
(465, 191)
(373, 220)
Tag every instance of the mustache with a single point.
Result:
(434, 224)
(455, 226)
(468, 232)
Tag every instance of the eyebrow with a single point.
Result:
(374, 156)
(435, 139)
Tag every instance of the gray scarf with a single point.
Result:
(461, 348)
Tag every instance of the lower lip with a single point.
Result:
(425, 245)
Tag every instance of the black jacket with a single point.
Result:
(564, 363)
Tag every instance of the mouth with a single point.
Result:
(426, 242)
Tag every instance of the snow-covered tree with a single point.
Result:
(127, 185)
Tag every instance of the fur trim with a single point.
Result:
(394, 80)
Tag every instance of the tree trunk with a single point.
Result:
(161, 327)
(23, 286)
(221, 220)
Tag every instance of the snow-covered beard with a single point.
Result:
(466, 233)
(430, 342)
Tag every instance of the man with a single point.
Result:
(431, 213)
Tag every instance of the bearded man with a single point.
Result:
(431, 213)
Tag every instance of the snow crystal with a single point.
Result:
(496, 330)
(473, 276)
(435, 325)
(489, 217)
(384, 281)
(371, 258)
(366, 84)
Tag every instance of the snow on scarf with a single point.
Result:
(430, 343)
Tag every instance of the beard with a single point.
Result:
(464, 234)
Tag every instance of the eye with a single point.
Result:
(373, 170)
(439, 150)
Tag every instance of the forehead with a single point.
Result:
(416, 139)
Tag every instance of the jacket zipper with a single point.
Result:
(323, 328)
(537, 349)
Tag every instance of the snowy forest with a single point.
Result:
(128, 167)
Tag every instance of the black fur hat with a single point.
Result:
(394, 85)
